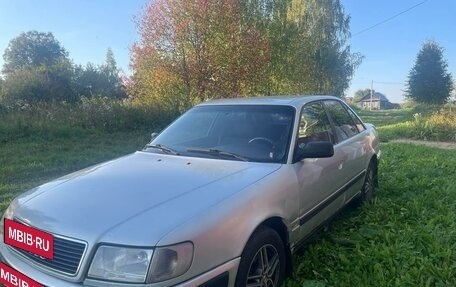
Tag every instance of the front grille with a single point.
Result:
(68, 255)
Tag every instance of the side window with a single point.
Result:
(344, 125)
(357, 121)
(314, 124)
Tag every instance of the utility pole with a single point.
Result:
(372, 92)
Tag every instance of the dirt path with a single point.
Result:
(443, 145)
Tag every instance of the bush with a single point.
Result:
(51, 120)
(438, 126)
(424, 109)
(39, 84)
(114, 115)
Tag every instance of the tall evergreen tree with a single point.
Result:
(99, 80)
(110, 69)
(429, 81)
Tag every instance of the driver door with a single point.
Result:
(319, 179)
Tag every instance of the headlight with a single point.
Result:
(121, 264)
(170, 261)
(134, 265)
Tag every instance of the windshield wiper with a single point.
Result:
(217, 152)
(163, 148)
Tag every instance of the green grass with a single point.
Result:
(391, 124)
(438, 126)
(434, 124)
(385, 117)
(405, 237)
(44, 141)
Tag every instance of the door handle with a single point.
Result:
(340, 165)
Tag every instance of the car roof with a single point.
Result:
(294, 101)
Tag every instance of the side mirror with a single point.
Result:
(319, 149)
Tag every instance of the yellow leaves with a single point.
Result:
(194, 50)
(199, 49)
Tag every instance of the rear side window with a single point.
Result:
(357, 121)
(344, 124)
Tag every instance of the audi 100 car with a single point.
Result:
(222, 197)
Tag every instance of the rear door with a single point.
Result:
(350, 145)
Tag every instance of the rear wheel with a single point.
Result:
(263, 260)
(369, 183)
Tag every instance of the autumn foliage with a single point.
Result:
(193, 50)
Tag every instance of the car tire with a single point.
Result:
(263, 260)
(370, 184)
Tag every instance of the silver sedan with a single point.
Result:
(222, 197)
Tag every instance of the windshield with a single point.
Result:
(235, 132)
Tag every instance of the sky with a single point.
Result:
(390, 49)
(87, 28)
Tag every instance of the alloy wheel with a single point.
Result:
(264, 270)
(369, 185)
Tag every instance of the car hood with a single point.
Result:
(135, 199)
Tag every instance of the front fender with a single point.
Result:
(220, 233)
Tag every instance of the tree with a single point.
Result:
(308, 44)
(32, 49)
(40, 84)
(111, 71)
(1, 90)
(327, 59)
(359, 94)
(197, 49)
(429, 81)
(37, 69)
(194, 50)
(102, 80)
(453, 94)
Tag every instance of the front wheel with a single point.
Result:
(263, 260)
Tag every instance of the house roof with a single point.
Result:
(375, 97)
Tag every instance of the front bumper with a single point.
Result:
(228, 269)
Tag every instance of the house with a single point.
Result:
(378, 101)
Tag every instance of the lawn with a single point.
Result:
(431, 124)
(405, 237)
(385, 117)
